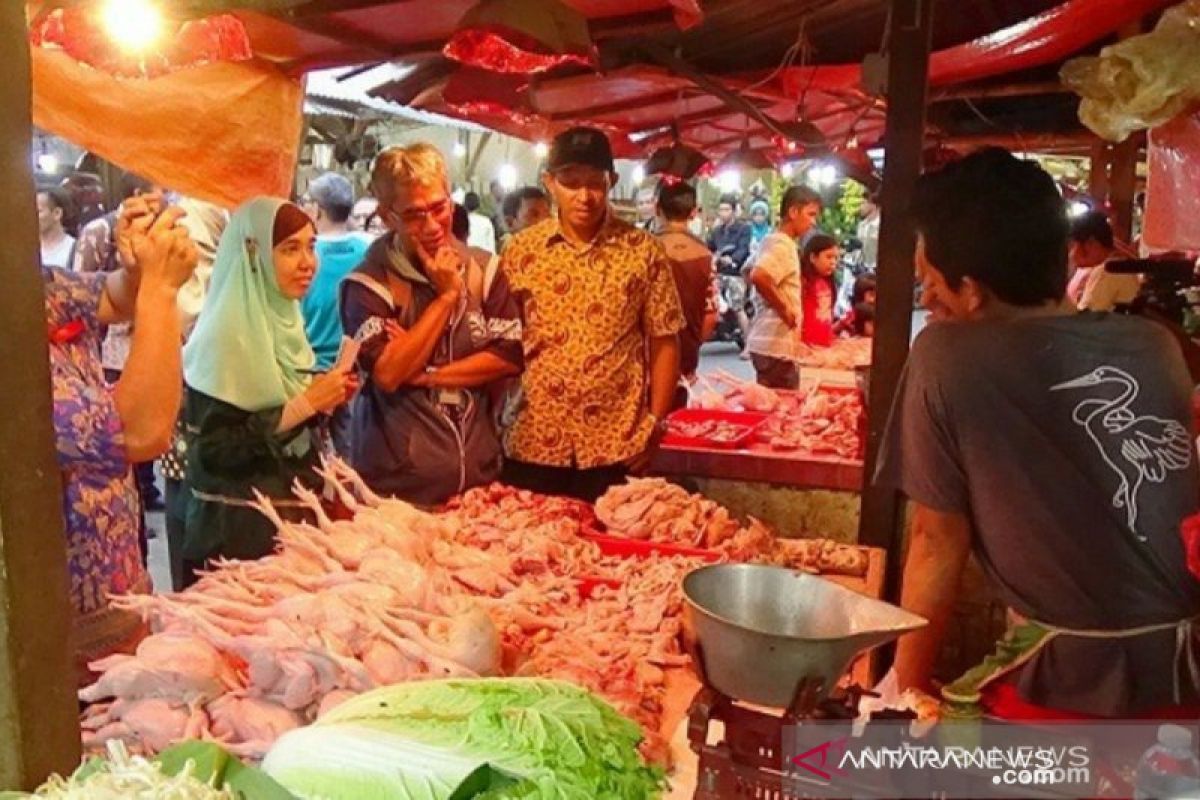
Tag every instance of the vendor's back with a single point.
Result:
(1067, 441)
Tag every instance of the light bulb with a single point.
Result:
(135, 25)
(1078, 208)
(507, 175)
(824, 175)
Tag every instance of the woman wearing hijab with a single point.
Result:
(205, 222)
(251, 400)
(760, 223)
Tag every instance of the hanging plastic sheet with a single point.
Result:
(221, 132)
(1042, 39)
(1142, 81)
(1172, 220)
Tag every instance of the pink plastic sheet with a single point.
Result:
(1172, 220)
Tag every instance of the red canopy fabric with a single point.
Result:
(1042, 39)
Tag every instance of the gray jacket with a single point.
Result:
(425, 445)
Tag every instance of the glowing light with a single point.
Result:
(787, 169)
(460, 149)
(639, 174)
(1078, 208)
(824, 175)
(507, 175)
(541, 150)
(135, 25)
(730, 180)
(47, 162)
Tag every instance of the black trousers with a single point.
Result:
(176, 510)
(582, 484)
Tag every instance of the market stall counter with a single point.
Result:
(796, 462)
(499, 588)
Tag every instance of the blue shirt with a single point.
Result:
(336, 257)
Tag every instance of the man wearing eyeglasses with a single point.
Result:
(432, 339)
(600, 317)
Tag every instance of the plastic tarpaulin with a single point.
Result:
(1041, 39)
(1143, 81)
(221, 132)
(1172, 219)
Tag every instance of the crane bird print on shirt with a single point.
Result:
(1139, 449)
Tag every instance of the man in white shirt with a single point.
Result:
(53, 207)
(483, 232)
(1091, 247)
(775, 275)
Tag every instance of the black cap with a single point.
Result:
(584, 146)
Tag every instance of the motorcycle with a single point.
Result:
(731, 290)
(728, 293)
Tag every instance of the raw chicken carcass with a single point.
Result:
(173, 666)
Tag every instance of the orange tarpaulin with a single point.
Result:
(221, 132)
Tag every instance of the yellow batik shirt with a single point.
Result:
(588, 312)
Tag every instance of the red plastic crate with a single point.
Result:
(752, 422)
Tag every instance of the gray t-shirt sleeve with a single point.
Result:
(920, 455)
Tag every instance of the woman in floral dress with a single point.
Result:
(100, 430)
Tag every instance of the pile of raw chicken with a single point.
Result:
(820, 420)
(499, 583)
(842, 354)
(655, 510)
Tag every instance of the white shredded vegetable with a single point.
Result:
(126, 777)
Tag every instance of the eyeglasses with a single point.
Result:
(416, 216)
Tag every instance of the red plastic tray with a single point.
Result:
(638, 548)
(752, 421)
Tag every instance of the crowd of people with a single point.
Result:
(547, 348)
(436, 346)
(430, 362)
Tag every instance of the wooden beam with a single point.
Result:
(1123, 185)
(1021, 142)
(908, 64)
(1098, 182)
(970, 92)
(473, 161)
(39, 729)
(1123, 181)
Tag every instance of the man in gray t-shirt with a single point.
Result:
(1055, 446)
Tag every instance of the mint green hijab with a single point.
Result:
(248, 348)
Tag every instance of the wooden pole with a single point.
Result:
(1123, 166)
(1098, 182)
(473, 161)
(908, 64)
(1123, 185)
(39, 732)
